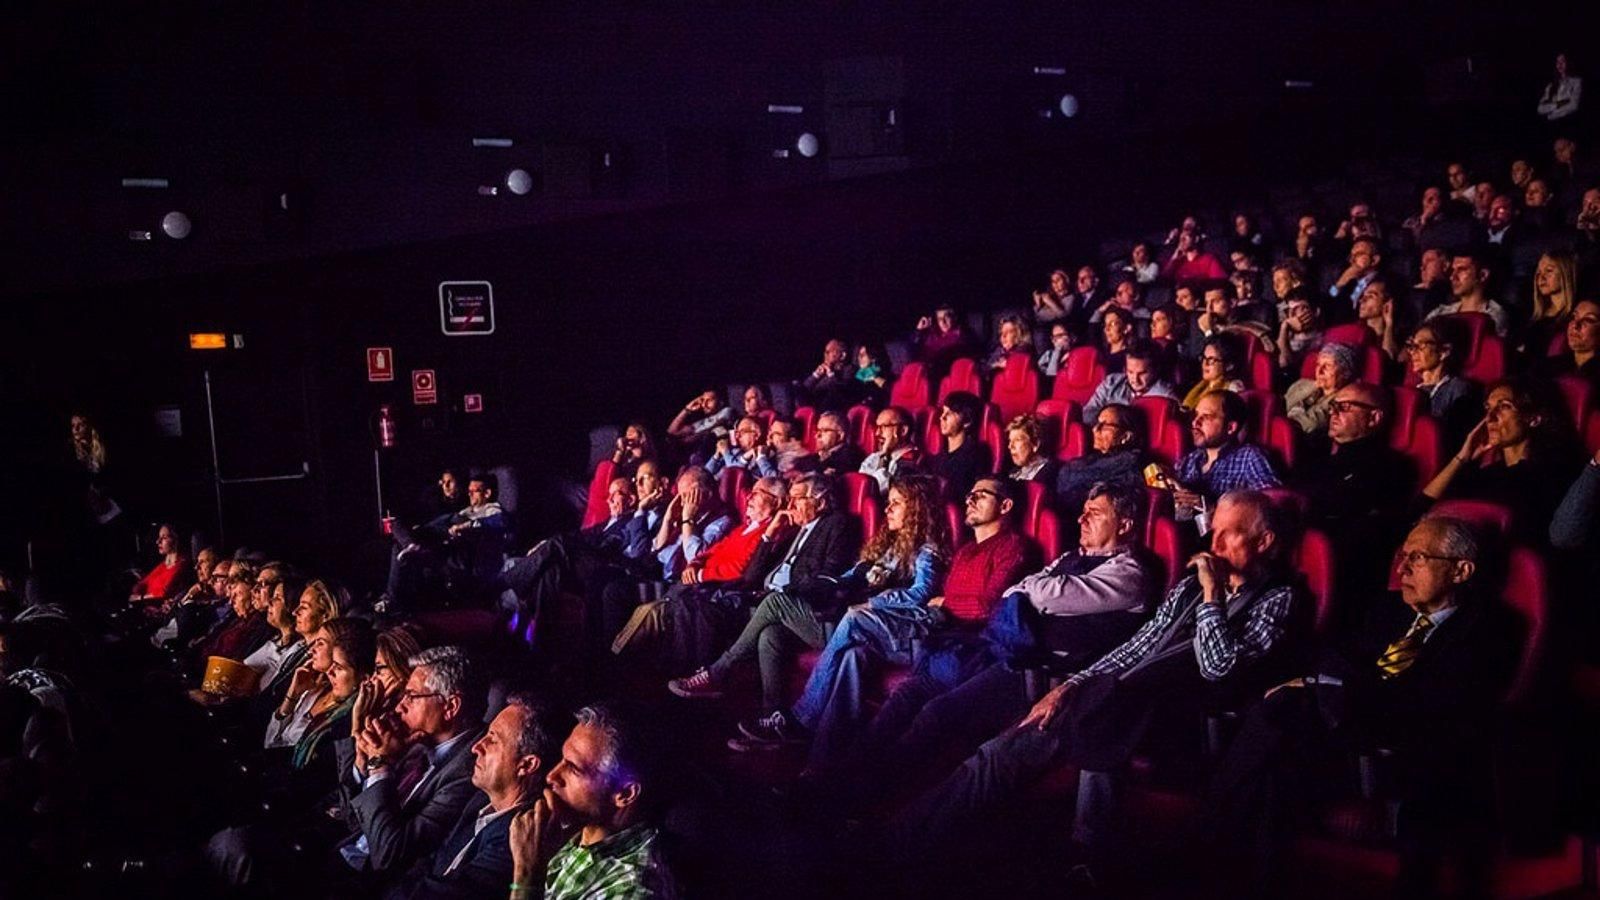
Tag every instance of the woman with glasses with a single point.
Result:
(1434, 354)
(1515, 456)
(1219, 364)
(245, 628)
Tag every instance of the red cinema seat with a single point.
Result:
(1016, 387)
(1264, 407)
(926, 431)
(1415, 433)
(1035, 499)
(955, 520)
(1578, 392)
(1079, 376)
(734, 485)
(1281, 436)
(805, 420)
(595, 510)
(1157, 412)
(1054, 416)
(963, 377)
(1168, 547)
(994, 438)
(1355, 333)
(1157, 506)
(1047, 532)
(860, 427)
(1526, 593)
(1494, 518)
(1488, 364)
(1261, 371)
(910, 391)
(1074, 441)
(1289, 499)
(860, 496)
(1314, 557)
(1171, 444)
(1591, 433)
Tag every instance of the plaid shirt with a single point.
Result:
(624, 866)
(1239, 467)
(1222, 645)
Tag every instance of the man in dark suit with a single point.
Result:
(406, 777)
(1420, 678)
(800, 583)
(512, 759)
(836, 452)
(575, 558)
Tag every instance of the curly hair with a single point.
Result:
(924, 524)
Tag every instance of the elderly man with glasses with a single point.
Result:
(892, 436)
(407, 776)
(836, 453)
(1421, 678)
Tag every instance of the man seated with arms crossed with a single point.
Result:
(1420, 677)
(1222, 629)
(574, 559)
(1080, 606)
(406, 778)
(512, 759)
(591, 837)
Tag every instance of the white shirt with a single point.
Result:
(269, 658)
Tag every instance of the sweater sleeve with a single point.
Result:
(1121, 584)
(927, 577)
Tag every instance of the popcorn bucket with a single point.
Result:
(228, 678)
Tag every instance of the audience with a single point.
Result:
(836, 452)
(1219, 365)
(1055, 302)
(892, 434)
(1140, 377)
(1469, 281)
(1115, 457)
(1436, 351)
(832, 384)
(1307, 399)
(1054, 357)
(964, 456)
(1583, 339)
(1221, 462)
(1025, 449)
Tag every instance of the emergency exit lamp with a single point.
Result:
(208, 340)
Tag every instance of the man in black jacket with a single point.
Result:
(800, 583)
(512, 759)
(1420, 678)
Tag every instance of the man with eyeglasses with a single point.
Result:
(803, 552)
(892, 433)
(1082, 604)
(836, 453)
(406, 776)
(204, 592)
(783, 453)
(1420, 677)
(714, 588)
(743, 451)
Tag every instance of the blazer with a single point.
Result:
(399, 829)
(485, 870)
(813, 576)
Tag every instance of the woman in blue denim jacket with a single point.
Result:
(901, 569)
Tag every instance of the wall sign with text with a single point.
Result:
(466, 308)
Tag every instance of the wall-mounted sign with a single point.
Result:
(424, 387)
(380, 363)
(472, 403)
(466, 308)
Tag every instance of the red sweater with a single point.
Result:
(726, 559)
(980, 571)
(161, 581)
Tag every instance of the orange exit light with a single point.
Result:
(208, 341)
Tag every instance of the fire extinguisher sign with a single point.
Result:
(466, 308)
(424, 387)
(380, 363)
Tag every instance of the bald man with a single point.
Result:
(1357, 493)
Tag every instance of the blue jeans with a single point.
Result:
(831, 704)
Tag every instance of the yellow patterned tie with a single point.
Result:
(1402, 653)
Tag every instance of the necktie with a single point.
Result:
(414, 769)
(1402, 653)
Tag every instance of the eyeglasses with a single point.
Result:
(415, 695)
(1340, 407)
(1104, 426)
(977, 494)
(775, 498)
(830, 431)
(1413, 558)
(887, 426)
(1416, 344)
(1211, 359)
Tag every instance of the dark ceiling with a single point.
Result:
(358, 116)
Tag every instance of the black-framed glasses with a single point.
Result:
(976, 494)
(418, 695)
(1413, 558)
(1340, 407)
(1114, 426)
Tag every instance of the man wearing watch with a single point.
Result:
(406, 778)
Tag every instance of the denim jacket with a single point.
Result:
(899, 596)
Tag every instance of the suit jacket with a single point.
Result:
(847, 458)
(827, 553)
(485, 870)
(399, 829)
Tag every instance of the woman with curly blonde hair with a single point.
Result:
(902, 568)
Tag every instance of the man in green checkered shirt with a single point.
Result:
(589, 836)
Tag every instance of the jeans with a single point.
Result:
(779, 623)
(831, 703)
